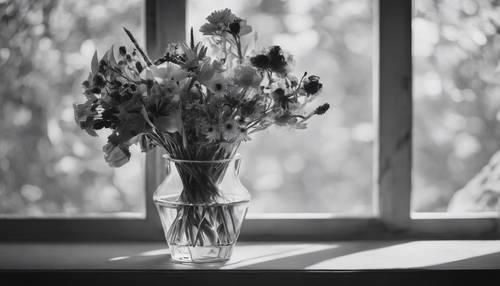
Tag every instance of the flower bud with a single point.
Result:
(322, 109)
(312, 85)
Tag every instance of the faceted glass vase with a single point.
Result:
(202, 205)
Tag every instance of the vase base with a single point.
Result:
(200, 254)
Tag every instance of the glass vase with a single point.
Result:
(202, 205)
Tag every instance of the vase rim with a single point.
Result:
(235, 157)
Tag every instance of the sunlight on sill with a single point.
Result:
(417, 254)
(455, 215)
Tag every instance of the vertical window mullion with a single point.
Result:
(165, 22)
(394, 96)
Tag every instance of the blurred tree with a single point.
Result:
(456, 56)
(47, 165)
(328, 166)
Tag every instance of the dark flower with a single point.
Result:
(260, 61)
(273, 60)
(100, 124)
(277, 61)
(312, 85)
(110, 113)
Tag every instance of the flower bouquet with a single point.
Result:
(198, 109)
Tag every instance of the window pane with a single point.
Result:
(48, 166)
(327, 167)
(457, 106)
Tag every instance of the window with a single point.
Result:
(326, 168)
(456, 77)
(354, 179)
(47, 166)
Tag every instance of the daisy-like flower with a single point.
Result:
(247, 76)
(222, 21)
(274, 59)
(218, 21)
(211, 132)
(218, 85)
(230, 130)
(242, 134)
(221, 17)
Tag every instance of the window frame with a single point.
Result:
(164, 21)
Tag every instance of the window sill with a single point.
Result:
(376, 262)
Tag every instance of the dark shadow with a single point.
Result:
(302, 261)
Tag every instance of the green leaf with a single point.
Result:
(95, 64)
(110, 57)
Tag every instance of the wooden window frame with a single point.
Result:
(164, 22)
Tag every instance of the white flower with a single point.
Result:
(172, 86)
(165, 71)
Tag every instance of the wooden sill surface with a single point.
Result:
(352, 255)
(376, 263)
